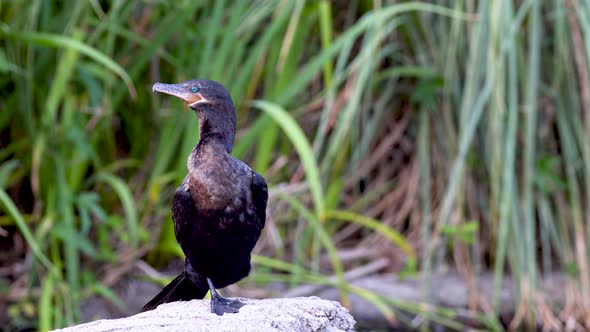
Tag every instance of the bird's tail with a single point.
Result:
(179, 289)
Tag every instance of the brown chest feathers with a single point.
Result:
(217, 181)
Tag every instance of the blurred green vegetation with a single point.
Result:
(443, 133)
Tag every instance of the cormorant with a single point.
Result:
(219, 209)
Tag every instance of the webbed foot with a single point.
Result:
(221, 305)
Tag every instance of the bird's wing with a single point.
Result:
(184, 213)
(259, 197)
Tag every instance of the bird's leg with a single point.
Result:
(221, 305)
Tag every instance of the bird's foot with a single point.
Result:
(221, 305)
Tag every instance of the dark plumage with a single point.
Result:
(219, 208)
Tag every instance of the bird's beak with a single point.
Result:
(179, 91)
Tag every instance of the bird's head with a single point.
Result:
(198, 93)
(212, 103)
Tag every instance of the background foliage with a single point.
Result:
(451, 133)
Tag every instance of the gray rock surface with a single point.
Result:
(282, 314)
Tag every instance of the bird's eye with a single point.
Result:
(195, 89)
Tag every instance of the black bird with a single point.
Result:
(219, 209)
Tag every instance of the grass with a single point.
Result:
(449, 133)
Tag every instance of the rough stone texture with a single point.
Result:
(284, 314)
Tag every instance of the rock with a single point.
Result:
(281, 314)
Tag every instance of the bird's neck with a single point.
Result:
(215, 132)
(216, 138)
(209, 149)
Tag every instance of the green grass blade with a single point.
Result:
(51, 40)
(326, 241)
(301, 144)
(127, 201)
(46, 309)
(12, 211)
